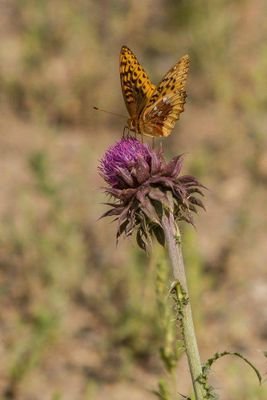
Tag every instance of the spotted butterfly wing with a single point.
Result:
(153, 110)
(164, 107)
(135, 84)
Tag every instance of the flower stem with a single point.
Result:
(173, 243)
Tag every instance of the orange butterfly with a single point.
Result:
(153, 110)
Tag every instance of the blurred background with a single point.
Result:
(78, 315)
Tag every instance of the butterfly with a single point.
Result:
(153, 110)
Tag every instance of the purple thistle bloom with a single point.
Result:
(145, 187)
(121, 156)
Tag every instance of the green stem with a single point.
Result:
(173, 243)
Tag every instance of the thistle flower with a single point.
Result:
(143, 186)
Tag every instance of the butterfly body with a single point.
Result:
(153, 110)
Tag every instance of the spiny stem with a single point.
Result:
(173, 243)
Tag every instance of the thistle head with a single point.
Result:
(143, 186)
(120, 159)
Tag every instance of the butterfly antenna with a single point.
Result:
(109, 112)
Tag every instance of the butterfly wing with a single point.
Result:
(135, 84)
(164, 107)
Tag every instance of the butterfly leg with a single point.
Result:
(153, 142)
(124, 135)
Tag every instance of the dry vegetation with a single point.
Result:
(78, 316)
